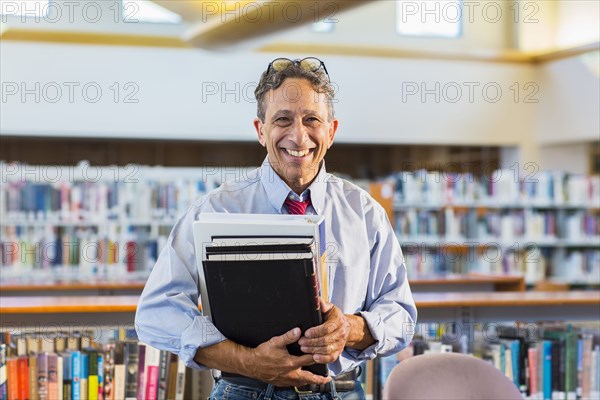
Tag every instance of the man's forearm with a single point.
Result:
(360, 335)
(225, 356)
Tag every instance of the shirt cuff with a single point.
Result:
(200, 333)
(377, 329)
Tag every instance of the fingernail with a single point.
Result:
(296, 332)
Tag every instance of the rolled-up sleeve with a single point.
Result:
(167, 315)
(389, 311)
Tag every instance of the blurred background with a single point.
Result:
(474, 123)
(420, 82)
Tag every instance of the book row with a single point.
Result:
(76, 367)
(100, 201)
(554, 363)
(143, 197)
(87, 251)
(503, 186)
(535, 264)
(503, 225)
(83, 252)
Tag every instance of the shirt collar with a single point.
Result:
(277, 190)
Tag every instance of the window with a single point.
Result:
(148, 11)
(25, 8)
(323, 26)
(439, 18)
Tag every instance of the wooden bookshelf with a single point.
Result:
(469, 282)
(449, 283)
(432, 307)
(99, 288)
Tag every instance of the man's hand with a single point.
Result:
(271, 363)
(327, 341)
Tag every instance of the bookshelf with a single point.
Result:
(433, 307)
(543, 228)
(74, 225)
(45, 314)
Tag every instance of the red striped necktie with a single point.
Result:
(296, 207)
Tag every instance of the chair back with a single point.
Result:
(448, 376)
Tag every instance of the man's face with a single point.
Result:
(296, 131)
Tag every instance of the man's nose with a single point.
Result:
(297, 132)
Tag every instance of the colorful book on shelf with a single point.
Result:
(3, 378)
(42, 376)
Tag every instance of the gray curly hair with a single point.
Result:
(318, 80)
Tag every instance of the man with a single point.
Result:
(372, 308)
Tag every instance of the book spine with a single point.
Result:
(92, 392)
(42, 376)
(33, 393)
(142, 369)
(586, 365)
(76, 372)
(119, 382)
(532, 358)
(547, 368)
(131, 368)
(59, 377)
(516, 364)
(100, 377)
(163, 375)
(571, 370)
(85, 373)
(180, 385)
(52, 376)
(23, 371)
(172, 379)
(12, 378)
(152, 364)
(3, 377)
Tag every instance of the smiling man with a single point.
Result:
(371, 311)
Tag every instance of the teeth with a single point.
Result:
(297, 153)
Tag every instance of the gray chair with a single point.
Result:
(448, 376)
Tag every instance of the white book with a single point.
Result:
(119, 382)
(180, 385)
(59, 376)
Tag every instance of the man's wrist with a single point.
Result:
(360, 335)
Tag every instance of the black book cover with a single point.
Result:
(252, 301)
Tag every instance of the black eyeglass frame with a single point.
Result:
(298, 62)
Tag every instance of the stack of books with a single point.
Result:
(262, 275)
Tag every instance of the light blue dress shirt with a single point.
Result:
(367, 274)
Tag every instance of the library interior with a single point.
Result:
(474, 124)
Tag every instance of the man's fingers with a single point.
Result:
(325, 306)
(320, 330)
(301, 361)
(289, 337)
(309, 377)
(324, 349)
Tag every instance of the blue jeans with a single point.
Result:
(224, 390)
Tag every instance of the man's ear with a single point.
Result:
(258, 125)
(332, 130)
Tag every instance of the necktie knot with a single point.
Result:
(296, 207)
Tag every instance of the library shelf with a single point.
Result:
(52, 288)
(468, 282)
(432, 307)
